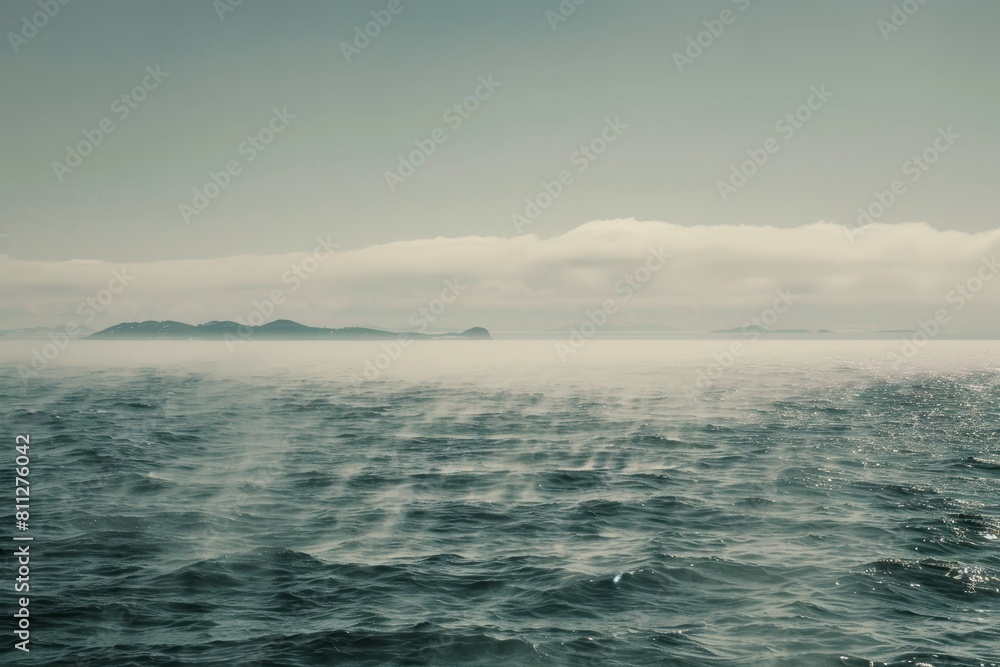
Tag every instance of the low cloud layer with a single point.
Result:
(888, 276)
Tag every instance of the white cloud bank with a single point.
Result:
(716, 276)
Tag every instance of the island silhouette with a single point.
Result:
(276, 330)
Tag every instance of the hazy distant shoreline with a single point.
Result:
(277, 330)
(263, 334)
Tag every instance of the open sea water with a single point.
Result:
(483, 503)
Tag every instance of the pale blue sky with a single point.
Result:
(324, 174)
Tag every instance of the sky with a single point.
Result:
(249, 130)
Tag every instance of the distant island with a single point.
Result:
(276, 330)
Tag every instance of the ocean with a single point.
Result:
(813, 502)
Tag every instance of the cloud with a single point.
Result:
(890, 276)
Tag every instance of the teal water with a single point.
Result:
(482, 503)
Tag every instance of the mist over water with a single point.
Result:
(483, 503)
